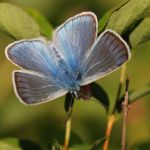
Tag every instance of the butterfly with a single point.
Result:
(75, 57)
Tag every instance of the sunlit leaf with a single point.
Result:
(12, 141)
(141, 33)
(139, 93)
(128, 15)
(7, 145)
(103, 21)
(17, 23)
(45, 26)
(100, 95)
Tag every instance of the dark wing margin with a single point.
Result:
(108, 53)
(32, 88)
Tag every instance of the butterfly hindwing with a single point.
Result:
(33, 88)
(107, 54)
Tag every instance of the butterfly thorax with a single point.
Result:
(71, 81)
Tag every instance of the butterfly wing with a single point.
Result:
(32, 55)
(38, 56)
(76, 36)
(44, 60)
(32, 88)
(107, 54)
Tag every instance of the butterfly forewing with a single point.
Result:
(107, 54)
(33, 88)
(75, 37)
(32, 55)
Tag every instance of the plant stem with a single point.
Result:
(125, 109)
(122, 78)
(110, 123)
(112, 117)
(68, 130)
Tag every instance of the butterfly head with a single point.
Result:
(75, 92)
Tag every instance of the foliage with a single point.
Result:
(17, 23)
(131, 19)
(44, 25)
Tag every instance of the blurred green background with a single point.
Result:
(43, 123)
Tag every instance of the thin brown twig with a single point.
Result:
(125, 109)
(122, 78)
(112, 117)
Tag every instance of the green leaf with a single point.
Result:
(100, 95)
(17, 23)
(45, 27)
(141, 33)
(7, 145)
(128, 15)
(139, 93)
(12, 141)
(103, 21)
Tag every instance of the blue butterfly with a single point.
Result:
(75, 57)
